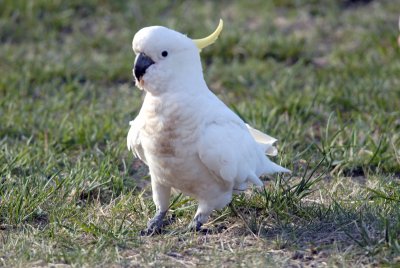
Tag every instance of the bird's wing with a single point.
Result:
(229, 152)
(133, 138)
(264, 140)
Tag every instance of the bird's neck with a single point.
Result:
(181, 85)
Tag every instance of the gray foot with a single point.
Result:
(195, 225)
(154, 225)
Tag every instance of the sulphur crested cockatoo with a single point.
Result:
(190, 140)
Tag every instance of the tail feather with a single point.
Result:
(275, 168)
(264, 140)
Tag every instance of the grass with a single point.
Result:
(322, 77)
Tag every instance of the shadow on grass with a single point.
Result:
(315, 232)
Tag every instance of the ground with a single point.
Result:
(321, 76)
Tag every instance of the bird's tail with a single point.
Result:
(270, 168)
(275, 168)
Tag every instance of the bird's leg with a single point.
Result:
(206, 207)
(202, 213)
(196, 224)
(161, 196)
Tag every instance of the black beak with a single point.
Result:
(142, 62)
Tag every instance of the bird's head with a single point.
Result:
(164, 56)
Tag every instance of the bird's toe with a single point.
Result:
(195, 225)
(154, 226)
(150, 231)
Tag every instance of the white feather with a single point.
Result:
(133, 139)
(264, 140)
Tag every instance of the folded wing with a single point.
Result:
(230, 153)
(133, 138)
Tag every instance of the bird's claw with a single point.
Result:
(195, 226)
(154, 226)
(150, 231)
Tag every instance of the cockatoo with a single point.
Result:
(190, 139)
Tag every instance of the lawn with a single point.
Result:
(321, 76)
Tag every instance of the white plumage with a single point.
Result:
(190, 139)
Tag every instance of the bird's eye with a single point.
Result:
(164, 53)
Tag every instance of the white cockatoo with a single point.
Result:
(190, 140)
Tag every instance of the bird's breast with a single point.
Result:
(167, 130)
(169, 139)
(162, 136)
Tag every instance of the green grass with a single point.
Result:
(321, 76)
